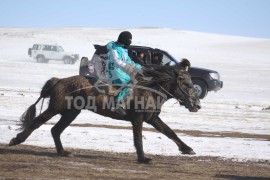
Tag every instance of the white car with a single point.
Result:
(44, 52)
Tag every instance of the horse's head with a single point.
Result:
(185, 91)
(175, 81)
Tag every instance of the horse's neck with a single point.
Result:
(166, 89)
(161, 94)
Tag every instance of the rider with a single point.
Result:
(120, 67)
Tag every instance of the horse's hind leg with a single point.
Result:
(166, 130)
(67, 117)
(37, 122)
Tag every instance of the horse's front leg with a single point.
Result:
(137, 135)
(166, 130)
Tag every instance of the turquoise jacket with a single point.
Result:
(118, 63)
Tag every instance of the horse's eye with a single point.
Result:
(186, 84)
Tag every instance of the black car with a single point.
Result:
(204, 80)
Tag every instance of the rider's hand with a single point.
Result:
(129, 69)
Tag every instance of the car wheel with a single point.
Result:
(67, 60)
(201, 89)
(41, 59)
(30, 52)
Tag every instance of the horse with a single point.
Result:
(68, 97)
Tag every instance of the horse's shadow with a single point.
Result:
(8, 150)
(107, 156)
(39, 153)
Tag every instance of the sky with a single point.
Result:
(249, 18)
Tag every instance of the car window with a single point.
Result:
(54, 48)
(46, 48)
(171, 63)
(59, 48)
(166, 60)
(36, 47)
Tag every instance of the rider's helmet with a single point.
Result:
(125, 38)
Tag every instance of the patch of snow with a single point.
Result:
(243, 63)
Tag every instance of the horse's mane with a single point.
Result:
(157, 74)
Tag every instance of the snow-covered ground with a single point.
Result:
(243, 63)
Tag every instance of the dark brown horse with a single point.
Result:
(70, 95)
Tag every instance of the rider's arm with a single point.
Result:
(121, 64)
(136, 67)
(114, 56)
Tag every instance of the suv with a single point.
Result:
(204, 80)
(43, 53)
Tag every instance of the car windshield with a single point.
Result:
(171, 57)
(60, 48)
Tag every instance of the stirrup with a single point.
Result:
(119, 110)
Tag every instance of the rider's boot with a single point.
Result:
(123, 104)
(120, 110)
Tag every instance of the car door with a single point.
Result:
(54, 53)
(46, 51)
(60, 53)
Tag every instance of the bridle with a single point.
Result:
(179, 100)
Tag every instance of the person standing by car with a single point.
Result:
(121, 67)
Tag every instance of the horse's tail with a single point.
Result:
(28, 116)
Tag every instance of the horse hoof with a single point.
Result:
(65, 154)
(13, 142)
(145, 161)
(189, 152)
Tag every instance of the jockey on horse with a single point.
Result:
(120, 68)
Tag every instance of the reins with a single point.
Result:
(179, 100)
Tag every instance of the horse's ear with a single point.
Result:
(184, 64)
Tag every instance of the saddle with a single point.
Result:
(102, 87)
